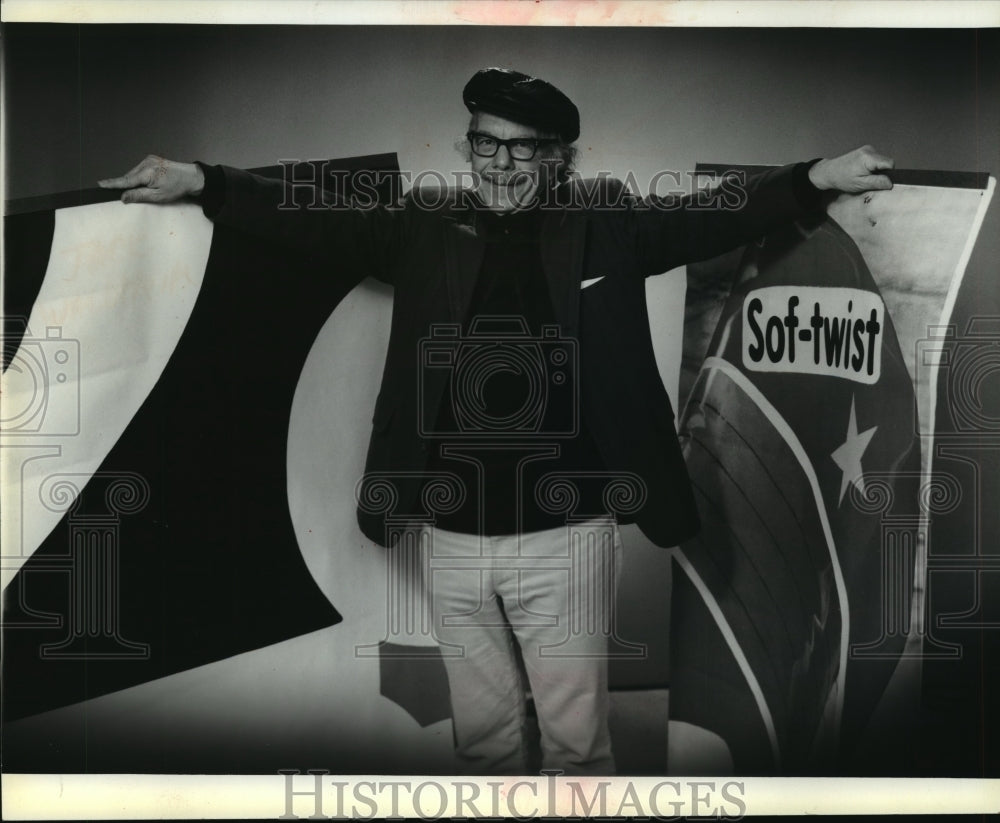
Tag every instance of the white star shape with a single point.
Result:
(848, 455)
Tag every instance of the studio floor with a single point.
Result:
(293, 705)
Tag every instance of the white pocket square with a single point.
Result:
(588, 283)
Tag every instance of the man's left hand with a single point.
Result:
(854, 172)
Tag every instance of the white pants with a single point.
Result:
(551, 593)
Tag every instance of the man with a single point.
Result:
(520, 369)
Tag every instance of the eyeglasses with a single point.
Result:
(520, 148)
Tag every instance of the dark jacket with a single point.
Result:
(431, 256)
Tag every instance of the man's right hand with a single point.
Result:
(156, 180)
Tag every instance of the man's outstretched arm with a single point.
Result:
(669, 233)
(356, 242)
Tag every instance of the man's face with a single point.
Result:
(505, 184)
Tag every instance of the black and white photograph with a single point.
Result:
(591, 398)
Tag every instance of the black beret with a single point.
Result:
(523, 99)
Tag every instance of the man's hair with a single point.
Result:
(566, 153)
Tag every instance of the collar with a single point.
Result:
(521, 225)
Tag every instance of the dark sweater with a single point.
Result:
(513, 398)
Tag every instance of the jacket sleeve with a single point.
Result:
(354, 242)
(669, 232)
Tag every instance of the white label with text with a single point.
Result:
(814, 330)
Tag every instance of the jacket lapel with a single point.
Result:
(463, 259)
(562, 244)
(562, 248)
